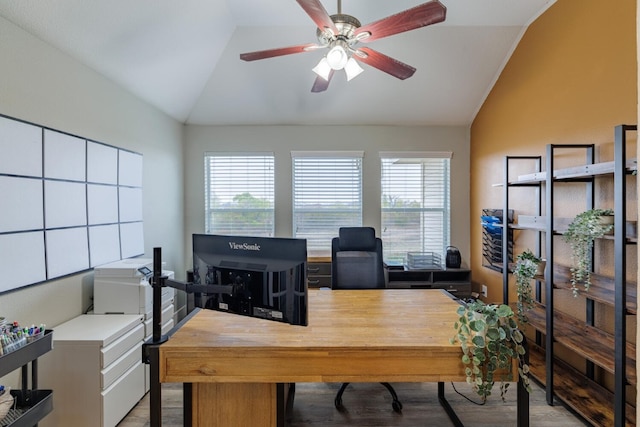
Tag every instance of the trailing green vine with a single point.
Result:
(524, 271)
(583, 230)
(490, 340)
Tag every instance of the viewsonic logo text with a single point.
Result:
(244, 246)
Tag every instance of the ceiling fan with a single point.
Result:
(341, 34)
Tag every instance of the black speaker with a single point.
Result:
(453, 259)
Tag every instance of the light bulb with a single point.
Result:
(323, 69)
(337, 57)
(352, 69)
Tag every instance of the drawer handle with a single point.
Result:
(313, 282)
(313, 269)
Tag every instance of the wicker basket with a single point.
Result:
(6, 402)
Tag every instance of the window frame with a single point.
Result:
(260, 180)
(345, 164)
(428, 204)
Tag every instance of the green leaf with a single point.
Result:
(504, 311)
(477, 325)
(478, 341)
(504, 334)
(493, 333)
(517, 336)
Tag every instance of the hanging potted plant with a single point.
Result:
(491, 341)
(527, 266)
(583, 230)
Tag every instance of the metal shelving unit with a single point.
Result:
(577, 389)
(32, 404)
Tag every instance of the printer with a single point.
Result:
(122, 287)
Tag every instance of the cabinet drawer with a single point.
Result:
(167, 316)
(460, 290)
(111, 373)
(123, 395)
(120, 346)
(319, 281)
(318, 268)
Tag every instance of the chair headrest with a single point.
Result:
(357, 238)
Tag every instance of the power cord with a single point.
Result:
(466, 397)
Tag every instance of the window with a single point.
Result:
(239, 194)
(415, 204)
(327, 195)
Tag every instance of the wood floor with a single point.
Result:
(369, 405)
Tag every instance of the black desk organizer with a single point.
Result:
(32, 404)
(492, 228)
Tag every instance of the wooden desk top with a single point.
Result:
(360, 335)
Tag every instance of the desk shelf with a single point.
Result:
(319, 272)
(456, 281)
(32, 404)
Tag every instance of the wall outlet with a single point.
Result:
(484, 291)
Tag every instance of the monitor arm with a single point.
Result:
(158, 281)
(150, 348)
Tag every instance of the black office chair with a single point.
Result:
(356, 263)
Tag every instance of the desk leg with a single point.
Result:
(523, 405)
(155, 392)
(522, 402)
(234, 404)
(447, 407)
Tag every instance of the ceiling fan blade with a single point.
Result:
(319, 14)
(270, 53)
(384, 63)
(320, 85)
(410, 19)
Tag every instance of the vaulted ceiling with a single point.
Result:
(183, 57)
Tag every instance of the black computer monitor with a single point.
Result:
(266, 276)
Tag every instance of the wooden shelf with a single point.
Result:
(590, 342)
(587, 398)
(601, 290)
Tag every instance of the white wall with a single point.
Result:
(281, 140)
(42, 85)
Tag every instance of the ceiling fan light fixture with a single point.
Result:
(352, 69)
(337, 57)
(323, 69)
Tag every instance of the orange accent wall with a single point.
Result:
(571, 79)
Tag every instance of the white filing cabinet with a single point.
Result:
(121, 288)
(96, 370)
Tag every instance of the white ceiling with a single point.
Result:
(183, 57)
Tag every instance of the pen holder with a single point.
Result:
(13, 346)
(34, 337)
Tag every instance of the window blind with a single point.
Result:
(415, 204)
(239, 194)
(327, 195)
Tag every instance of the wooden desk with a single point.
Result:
(235, 362)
